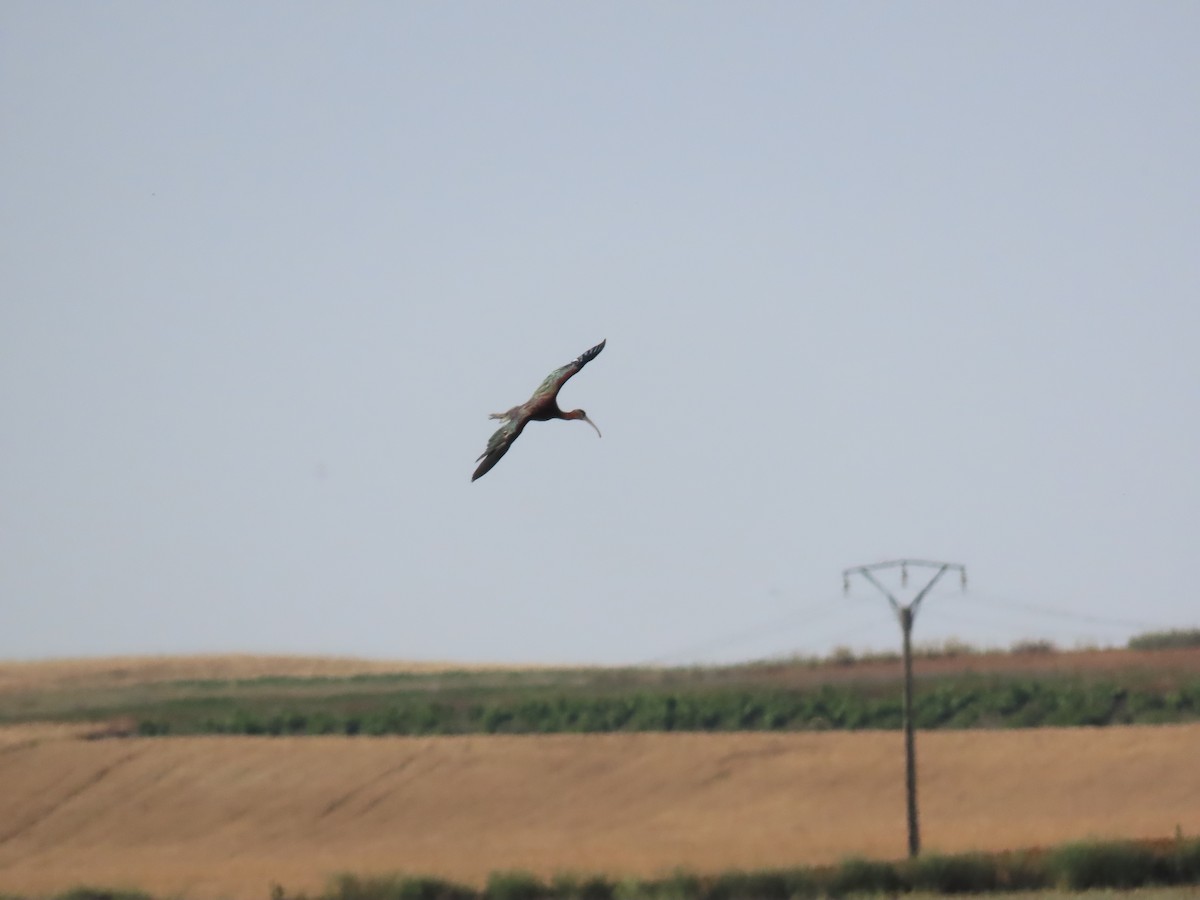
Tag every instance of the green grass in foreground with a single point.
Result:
(1162, 870)
(1073, 867)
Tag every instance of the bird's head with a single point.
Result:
(580, 414)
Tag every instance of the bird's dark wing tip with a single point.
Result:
(589, 355)
(497, 447)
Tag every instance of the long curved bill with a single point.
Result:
(593, 424)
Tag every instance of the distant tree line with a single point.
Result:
(1166, 640)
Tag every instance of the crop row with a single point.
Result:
(959, 704)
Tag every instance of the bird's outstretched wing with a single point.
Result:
(555, 380)
(498, 445)
(517, 417)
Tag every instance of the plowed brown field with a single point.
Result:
(225, 817)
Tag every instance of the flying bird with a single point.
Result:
(541, 407)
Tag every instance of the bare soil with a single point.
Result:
(219, 817)
(1183, 660)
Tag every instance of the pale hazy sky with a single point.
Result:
(877, 279)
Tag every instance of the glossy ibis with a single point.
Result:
(541, 407)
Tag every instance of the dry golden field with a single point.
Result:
(122, 671)
(226, 816)
(217, 817)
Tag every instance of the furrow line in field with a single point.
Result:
(338, 802)
(41, 815)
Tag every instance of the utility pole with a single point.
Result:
(906, 614)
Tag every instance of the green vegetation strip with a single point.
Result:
(1074, 867)
(841, 692)
(959, 702)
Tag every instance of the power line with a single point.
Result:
(906, 613)
(789, 620)
(832, 640)
(771, 626)
(1091, 618)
